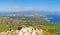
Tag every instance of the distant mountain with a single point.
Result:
(53, 16)
(29, 12)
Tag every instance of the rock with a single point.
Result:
(24, 31)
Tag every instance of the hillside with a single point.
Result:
(39, 22)
(26, 31)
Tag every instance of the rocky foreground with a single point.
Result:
(24, 31)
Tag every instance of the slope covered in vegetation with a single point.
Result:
(39, 22)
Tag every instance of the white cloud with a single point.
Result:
(15, 8)
(20, 8)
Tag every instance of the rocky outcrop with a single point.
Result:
(24, 31)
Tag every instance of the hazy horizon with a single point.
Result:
(28, 5)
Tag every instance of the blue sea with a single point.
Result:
(54, 18)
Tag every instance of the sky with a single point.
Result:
(28, 5)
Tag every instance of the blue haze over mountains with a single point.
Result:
(52, 16)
